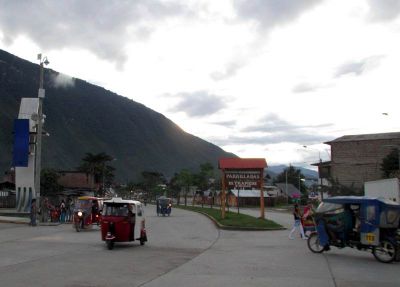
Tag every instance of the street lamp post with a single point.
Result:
(38, 153)
(104, 177)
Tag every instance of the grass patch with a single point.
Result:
(232, 219)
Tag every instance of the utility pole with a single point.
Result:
(39, 124)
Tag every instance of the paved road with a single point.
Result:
(59, 256)
(184, 250)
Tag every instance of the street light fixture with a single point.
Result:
(39, 123)
(103, 183)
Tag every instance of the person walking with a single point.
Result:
(44, 210)
(297, 223)
(33, 212)
(63, 211)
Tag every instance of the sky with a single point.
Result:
(271, 79)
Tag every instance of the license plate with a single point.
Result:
(370, 237)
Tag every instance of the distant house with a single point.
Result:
(7, 194)
(246, 197)
(356, 159)
(77, 183)
(273, 191)
(288, 190)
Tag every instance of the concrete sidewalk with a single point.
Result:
(11, 216)
(14, 219)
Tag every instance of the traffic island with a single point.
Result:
(235, 221)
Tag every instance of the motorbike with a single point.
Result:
(123, 221)
(164, 206)
(358, 222)
(86, 212)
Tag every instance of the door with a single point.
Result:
(369, 217)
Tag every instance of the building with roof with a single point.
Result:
(356, 159)
(247, 197)
(288, 190)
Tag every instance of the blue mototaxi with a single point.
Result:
(164, 206)
(358, 222)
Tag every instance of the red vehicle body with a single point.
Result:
(87, 212)
(123, 221)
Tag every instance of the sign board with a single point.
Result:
(242, 173)
(243, 179)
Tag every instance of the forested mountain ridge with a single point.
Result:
(85, 118)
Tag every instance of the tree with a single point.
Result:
(202, 179)
(49, 182)
(185, 179)
(293, 176)
(95, 165)
(153, 182)
(390, 164)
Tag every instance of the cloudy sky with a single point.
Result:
(260, 78)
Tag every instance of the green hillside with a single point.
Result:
(87, 118)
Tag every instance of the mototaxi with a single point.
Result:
(87, 211)
(164, 206)
(358, 222)
(123, 221)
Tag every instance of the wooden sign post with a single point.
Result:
(242, 173)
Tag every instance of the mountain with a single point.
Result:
(83, 118)
(308, 173)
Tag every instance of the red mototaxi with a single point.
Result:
(123, 221)
(87, 212)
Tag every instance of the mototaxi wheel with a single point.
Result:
(110, 244)
(313, 243)
(385, 252)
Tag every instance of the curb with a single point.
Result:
(27, 222)
(236, 228)
(12, 221)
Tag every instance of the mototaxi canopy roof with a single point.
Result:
(362, 200)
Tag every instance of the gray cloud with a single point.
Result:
(230, 123)
(198, 104)
(273, 123)
(229, 70)
(304, 88)
(359, 67)
(298, 137)
(269, 13)
(384, 10)
(266, 14)
(276, 130)
(103, 27)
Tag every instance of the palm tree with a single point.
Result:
(95, 166)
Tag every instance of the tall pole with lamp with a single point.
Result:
(39, 127)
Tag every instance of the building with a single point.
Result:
(77, 183)
(288, 190)
(247, 197)
(356, 159)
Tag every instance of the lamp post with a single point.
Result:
(104, 177)
(300, 180)
(319, 178)
(38, 153)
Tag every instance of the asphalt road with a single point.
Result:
(183, 250)
(59, 256)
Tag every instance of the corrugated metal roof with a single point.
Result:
(245, 163)
(248, 193)
(365, 137)
(291, 189)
